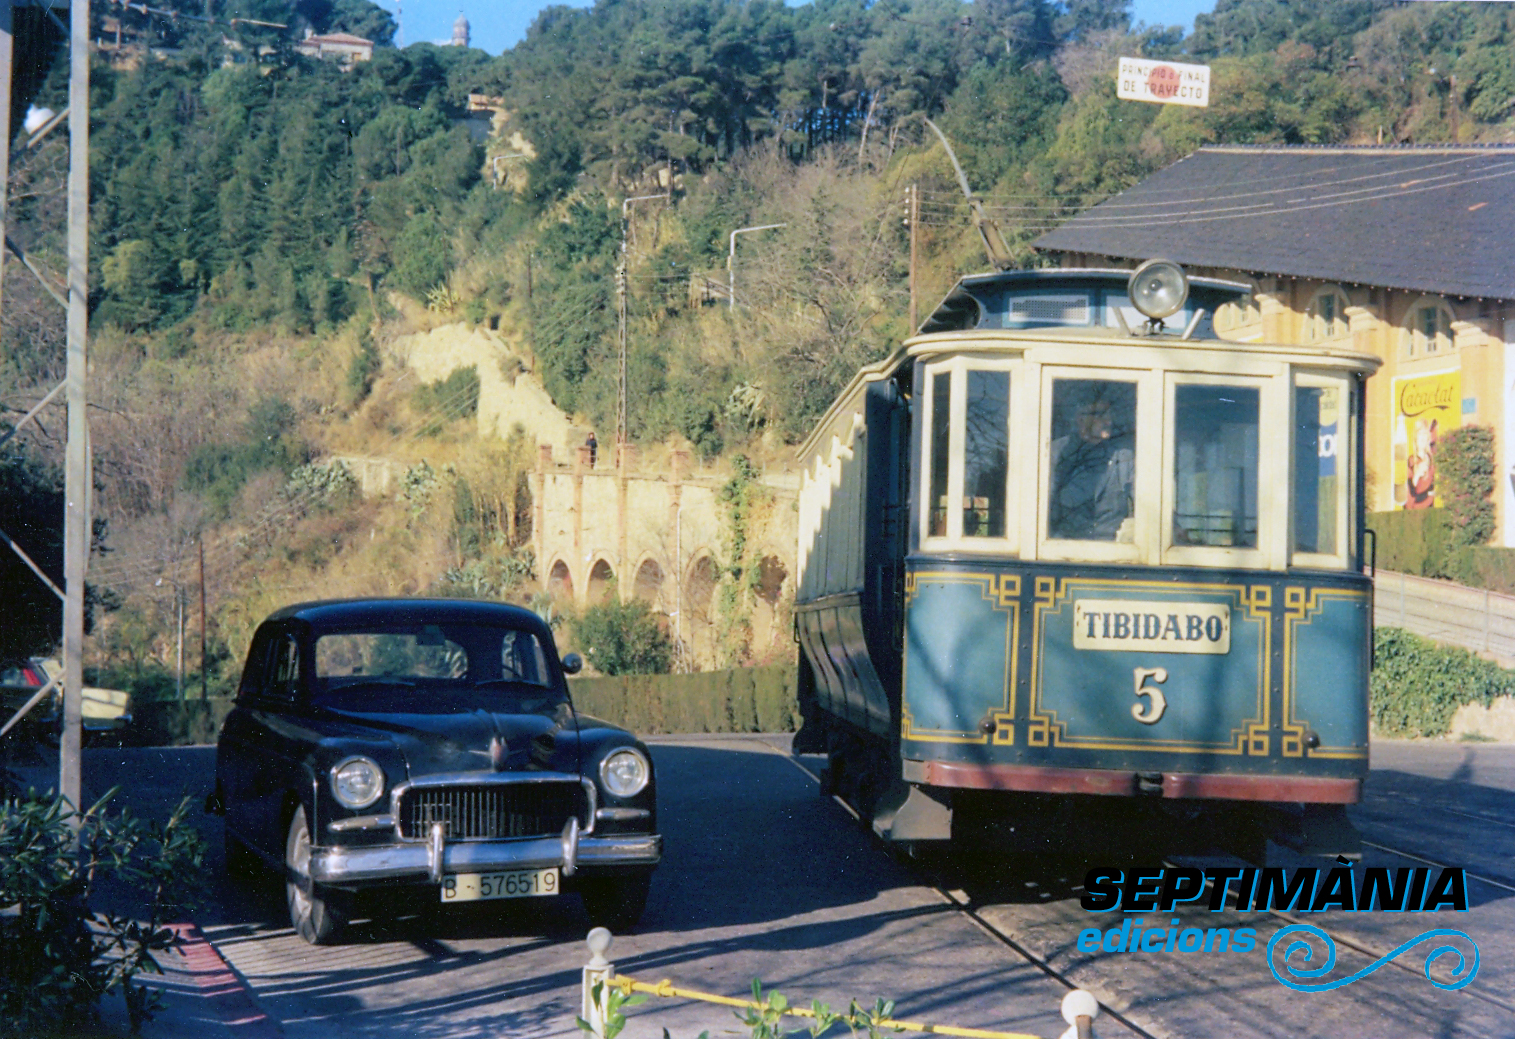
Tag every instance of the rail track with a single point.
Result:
(965, 905)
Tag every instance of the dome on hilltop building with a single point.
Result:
(460, 31)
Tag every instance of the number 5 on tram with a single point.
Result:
(1066, 548)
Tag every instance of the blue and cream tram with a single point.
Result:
(1067, 541)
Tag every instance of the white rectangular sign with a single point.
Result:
(1162, 627)
(1165, 82)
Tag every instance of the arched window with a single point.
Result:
(1326, 316)
(1241, 319)
(1428, 328)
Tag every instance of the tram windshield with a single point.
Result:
(1215, 466)
(1093, 467)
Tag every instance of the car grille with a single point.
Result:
(483, 811)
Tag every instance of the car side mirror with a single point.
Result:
(573, 664)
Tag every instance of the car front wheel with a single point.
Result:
(316, 913)
(615, 902)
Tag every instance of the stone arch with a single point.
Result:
(767, 593)
(648, 584)
(560, 582)
(700, 582)
(601, 587)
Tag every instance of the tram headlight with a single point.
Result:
(1158, 288)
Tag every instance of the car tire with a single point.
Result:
(316, 913)
(616, 903)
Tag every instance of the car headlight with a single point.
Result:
(625, 772)
(357, 782)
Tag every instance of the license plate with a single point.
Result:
(523, 883)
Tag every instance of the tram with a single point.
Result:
(1067, 548)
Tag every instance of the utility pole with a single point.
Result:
(913, 202)
(76, 533)
(204, 681)
(731, 260)
(621, 436)
(7, 51)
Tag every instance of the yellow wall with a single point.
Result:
(1376, 322)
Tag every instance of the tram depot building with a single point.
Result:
(1407, 253)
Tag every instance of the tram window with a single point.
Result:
(1215, 465)
(1093, 463)
(1317, 434)
(986, 454)
(941, 427)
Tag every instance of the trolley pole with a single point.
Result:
(76, 533)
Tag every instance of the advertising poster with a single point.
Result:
(1426, 408)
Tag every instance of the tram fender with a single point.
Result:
(908, 813)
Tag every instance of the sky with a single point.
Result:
(497, 25)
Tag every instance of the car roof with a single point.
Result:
(346, 613)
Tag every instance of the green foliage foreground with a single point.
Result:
(58, 954)
(1417, 686)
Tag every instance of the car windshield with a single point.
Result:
(441, 665)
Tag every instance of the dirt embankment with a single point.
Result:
(509, 392)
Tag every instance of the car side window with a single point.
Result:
(284, 671)
(522, 658)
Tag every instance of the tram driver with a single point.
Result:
(1094, 464)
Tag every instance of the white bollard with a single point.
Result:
(1079, 1010)
(598, 971)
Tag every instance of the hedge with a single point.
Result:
(759, 699)
(1425, 543)
(1417, 686)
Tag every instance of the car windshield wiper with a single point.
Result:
(508, 681)
(358, 680)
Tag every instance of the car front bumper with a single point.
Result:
(356, 866)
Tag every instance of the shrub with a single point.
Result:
(363, 369)
(1417, 686)
(58, 956)
(1466, 459)
(454, 397)
(624, 638)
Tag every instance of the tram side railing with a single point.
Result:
(1473, 618)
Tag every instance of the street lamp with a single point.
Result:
(731, 257)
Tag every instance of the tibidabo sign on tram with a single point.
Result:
(1166, 82)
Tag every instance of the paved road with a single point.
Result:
(764, 879)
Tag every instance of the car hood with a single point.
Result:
(475, 741)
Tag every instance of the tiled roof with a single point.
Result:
(1427, 219)
(341, 38)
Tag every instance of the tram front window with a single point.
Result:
(1093, 464)
(986, 453)
(1215, 466)
(1317, 436)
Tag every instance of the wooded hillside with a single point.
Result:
(265, 224)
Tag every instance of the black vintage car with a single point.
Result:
(433, 744)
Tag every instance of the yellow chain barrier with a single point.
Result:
(666, 988)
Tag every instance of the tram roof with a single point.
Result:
(1067, 298)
